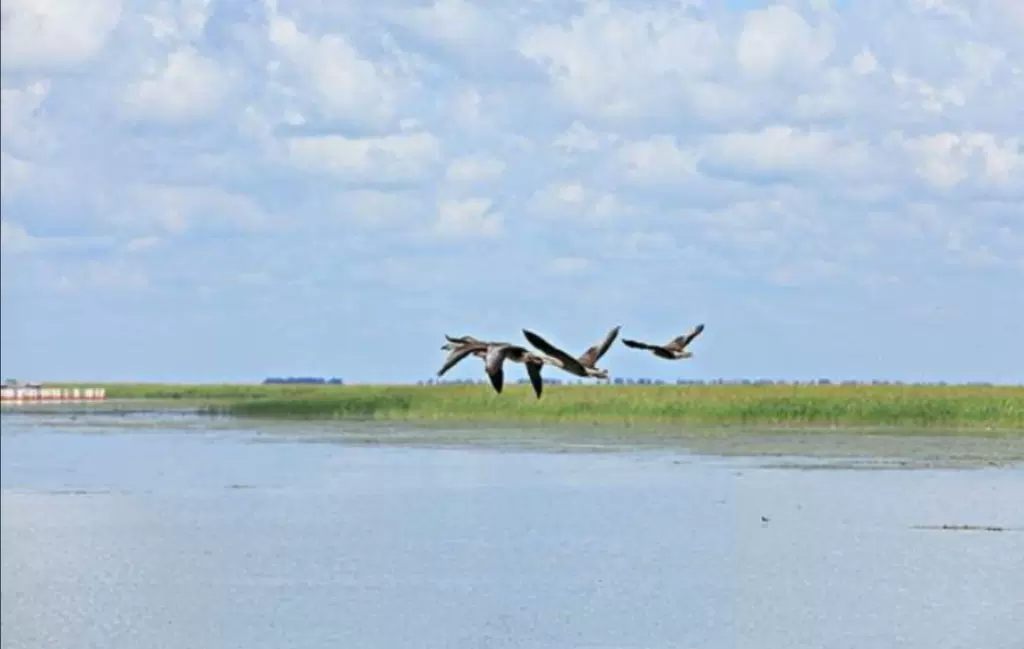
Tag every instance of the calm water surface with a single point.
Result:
(174, 531)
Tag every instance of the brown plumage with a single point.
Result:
(458, 340)
(494, 356)
(585, 364)
(674, 349)
(590, 357)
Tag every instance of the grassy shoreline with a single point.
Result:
(966, 407)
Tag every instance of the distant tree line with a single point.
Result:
(318, 380)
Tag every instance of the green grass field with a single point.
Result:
(964, 407)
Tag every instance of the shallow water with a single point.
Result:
(176, 531)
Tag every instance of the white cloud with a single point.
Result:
(777, 41)
(460, 26)
(864, 63)
(948, 159)
(474, 169)
(142, 243)
(570, 200)
(174, 210)
(786, 149)
(981, 61)
(642, 244)
(55, 34)
(396, 158)
(569, 193)
(16, 240)
(472, 217)
(14, 174)
(938, 164)
(613, 62)
(107, 275)
(375, 208)
(942, 7)
(658, 158)
(178, 22)
(580, 139)
(569, 265)
(190, 86)
(23, 131)
(1012, 10)
(329, 74)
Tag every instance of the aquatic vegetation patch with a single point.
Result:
(997, 408)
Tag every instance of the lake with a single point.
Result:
(172, 530)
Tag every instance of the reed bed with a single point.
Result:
(951, 406)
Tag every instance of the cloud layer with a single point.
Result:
(202, 190)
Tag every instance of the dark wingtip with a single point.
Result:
(496, 383)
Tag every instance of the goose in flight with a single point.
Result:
(674, 349)
(585, 365)
(494, 356)
(589, 358)
(454, 341)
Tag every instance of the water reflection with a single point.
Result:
(170, 535)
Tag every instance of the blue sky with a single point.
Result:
(221, 191)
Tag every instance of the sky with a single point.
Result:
(217, 191)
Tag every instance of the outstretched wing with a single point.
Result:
(456, 356)
(497, 378)
(680, 342)
(569, 363)
(533, 370)
(594, 354)
(494, 363)
(461, 340)
(636, 344)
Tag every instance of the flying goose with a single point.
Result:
(590, 357)
(458, 340)
(495, 355)
(673, 349)
(584, 365)
(455, 345)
